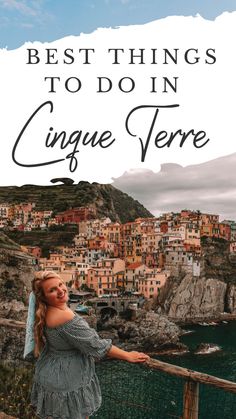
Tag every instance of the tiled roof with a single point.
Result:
(134, 265)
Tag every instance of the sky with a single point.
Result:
(48, 20)
(210, 186)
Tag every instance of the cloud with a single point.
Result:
(27, 25)
(34, 11)
(121, 1)
(20, 6)
(209, 187)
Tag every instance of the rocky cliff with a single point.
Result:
(16, 273)
(16, 270)
(207, 296)
(197, 298)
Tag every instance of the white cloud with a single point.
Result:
(20, 6)
(33, 10)
(27, 25)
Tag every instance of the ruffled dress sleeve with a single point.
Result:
(82, 337)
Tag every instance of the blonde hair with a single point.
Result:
(41, 307)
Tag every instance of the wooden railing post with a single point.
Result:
(191, 399)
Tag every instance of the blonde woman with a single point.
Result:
(65, 384)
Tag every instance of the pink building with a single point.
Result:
(151, 283)
(101, 280)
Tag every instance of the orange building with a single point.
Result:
(225, 231)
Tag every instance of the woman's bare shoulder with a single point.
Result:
(56, 317)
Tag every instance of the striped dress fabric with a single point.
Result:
(65, 384)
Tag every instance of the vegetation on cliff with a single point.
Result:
(107, 200)
(47, 240)
(7, 243)
(15, 386)
(219, 263)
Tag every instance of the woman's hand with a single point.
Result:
(134, 357)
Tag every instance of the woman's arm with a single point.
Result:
(132, 356)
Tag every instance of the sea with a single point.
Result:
(133, 391)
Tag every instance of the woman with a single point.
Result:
(65, 383)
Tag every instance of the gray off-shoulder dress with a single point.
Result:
(65, 383)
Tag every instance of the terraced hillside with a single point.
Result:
(107, 200)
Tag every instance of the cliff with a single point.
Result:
(211, 294)
(107, 200)
(16, 273)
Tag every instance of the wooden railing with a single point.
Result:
(191, 385)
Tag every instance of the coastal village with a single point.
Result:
(109, 258)
(139, 283)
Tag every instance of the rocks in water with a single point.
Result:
(149, 332)
(207, 348)
(187, 332)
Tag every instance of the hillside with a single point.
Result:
(108, 201)
(46, 239)
(16, 272)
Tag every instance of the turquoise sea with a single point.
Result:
(134, 392)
